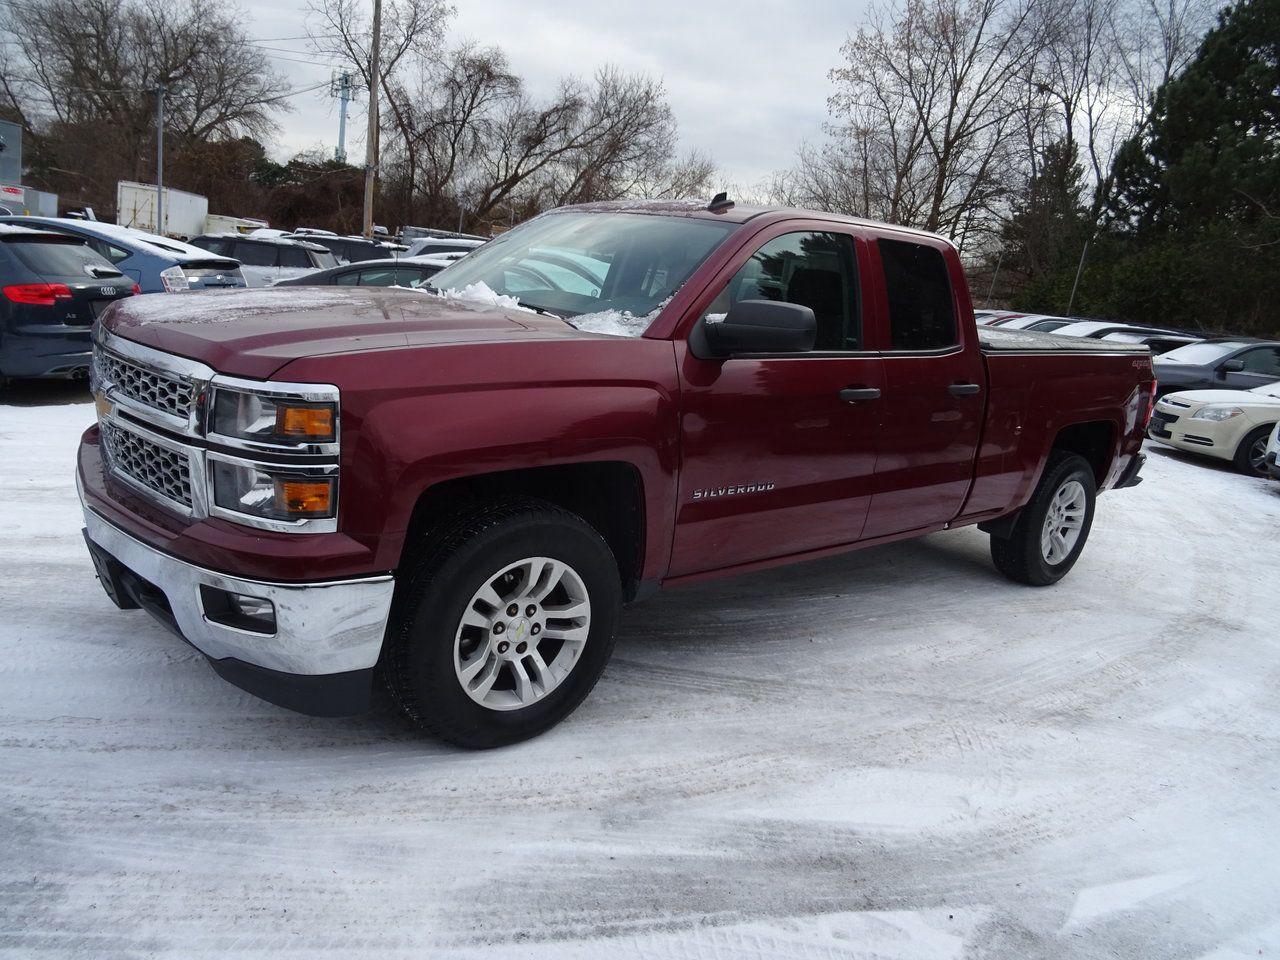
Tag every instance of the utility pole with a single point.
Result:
(371, 141)
(1084, 252)
(340, 87)
(160, 159)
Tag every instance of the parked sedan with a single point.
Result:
(402, 272)
(52, 288)
(1236, 363)
(266, 259)
(1231, 425)
(156, 264)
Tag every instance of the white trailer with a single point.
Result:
(220, 223)
(184, 213)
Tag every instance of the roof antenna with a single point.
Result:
(720, 202)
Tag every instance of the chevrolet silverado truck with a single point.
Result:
(453, 491)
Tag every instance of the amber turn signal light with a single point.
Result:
(310, 423)
(305, 498)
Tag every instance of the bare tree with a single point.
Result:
(925, 105)
(81, 76)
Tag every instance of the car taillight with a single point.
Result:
(137, 289)
(37, 294)
(1151, 404)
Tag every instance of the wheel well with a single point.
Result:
(1093, 441)
(608, 495)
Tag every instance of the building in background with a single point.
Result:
(14, 197)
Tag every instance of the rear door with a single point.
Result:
(774, 461)
(257, 262)
(931, 414)
(1261, 366)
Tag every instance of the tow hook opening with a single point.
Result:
(238, 610)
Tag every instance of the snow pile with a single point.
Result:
(617, 323)
(480, 294)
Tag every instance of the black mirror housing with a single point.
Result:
(1232, 366)
(755, 326)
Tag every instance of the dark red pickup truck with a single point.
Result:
(457, 488)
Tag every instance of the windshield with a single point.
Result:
(1201, 352)
(587, 265)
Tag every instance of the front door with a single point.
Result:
(774, 460)
(934, 395)
(1261, 366)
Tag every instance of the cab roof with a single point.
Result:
(733, 213)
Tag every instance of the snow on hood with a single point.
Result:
(223, 306)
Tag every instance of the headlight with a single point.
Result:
(273, 493)
(272, 420)
(1217, 413)
(174, 280)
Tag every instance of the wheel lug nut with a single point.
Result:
(531, 610)
(503, 647)
(522, 648)
(513, 610)
(535, 629)
(499, 627)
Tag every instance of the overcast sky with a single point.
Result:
(747, 79)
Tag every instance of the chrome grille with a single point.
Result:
(160, 391)
(147, 463)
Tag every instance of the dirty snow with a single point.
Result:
(221, 306)
(893, 754)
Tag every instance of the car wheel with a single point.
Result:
(1050, 532)
(503, 625)
(1251, 455)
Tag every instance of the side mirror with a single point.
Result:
(1231, 366)
(755, 326)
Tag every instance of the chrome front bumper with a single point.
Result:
(321, 628)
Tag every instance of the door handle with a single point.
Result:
(855, 394)
(963, 389)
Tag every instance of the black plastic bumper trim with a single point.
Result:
(1130, 476)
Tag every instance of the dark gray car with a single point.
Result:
(1233, 364)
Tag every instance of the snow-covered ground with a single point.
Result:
(894, 754)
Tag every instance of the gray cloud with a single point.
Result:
(747, 80)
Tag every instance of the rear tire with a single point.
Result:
(1251, 455)
(1051, 530)
(468, 671)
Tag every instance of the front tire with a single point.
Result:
(1251, 455)
(503, 625)
(1051, 530)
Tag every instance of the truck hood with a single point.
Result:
(253, 333)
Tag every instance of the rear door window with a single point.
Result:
(66, 259)
(921, 311)
(255, 254)
(295, 257)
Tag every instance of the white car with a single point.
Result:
(1273, 454)
(1232, 425)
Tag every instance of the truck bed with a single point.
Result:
(999, 340)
